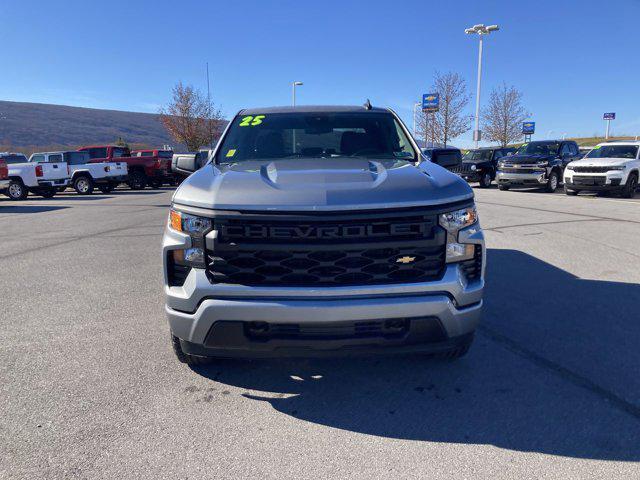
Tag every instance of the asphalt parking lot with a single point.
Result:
(89, 386)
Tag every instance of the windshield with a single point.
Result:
(76, 158)
(327, 135)
(614, 151)
(477, 155)
(538, 148)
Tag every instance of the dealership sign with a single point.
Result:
(609, 116)
(528, 128)
(431, 102)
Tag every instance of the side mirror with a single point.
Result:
(185, 163)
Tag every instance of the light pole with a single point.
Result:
(415, 125)
(293, 86)
(481, 30)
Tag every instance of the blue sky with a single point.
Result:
(572, 60)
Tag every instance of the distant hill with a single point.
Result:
(28, 127)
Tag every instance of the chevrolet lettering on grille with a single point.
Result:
(323, 232)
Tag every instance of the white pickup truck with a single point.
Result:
(85, 176)
(39, 179)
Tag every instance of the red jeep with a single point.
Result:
(143, 170)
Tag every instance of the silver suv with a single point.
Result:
(321, 230)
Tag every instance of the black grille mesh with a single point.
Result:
(591, 169)
(394, 258)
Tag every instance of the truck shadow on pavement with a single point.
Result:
(554, 370)
(28, 208)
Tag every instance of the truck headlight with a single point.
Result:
(453, 222)
(197, 227)
(569, 167)
(618, 167)
(473, 167)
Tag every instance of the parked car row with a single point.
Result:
(98, 166)
(608, 167)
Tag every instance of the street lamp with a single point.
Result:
(293, 86)
(481, 30)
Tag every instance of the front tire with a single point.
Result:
(485, 179)
(137, 180)
(552, 183)
(191, 360)
(629, 189)
(83, 185)
(17, 190)
(504, 188)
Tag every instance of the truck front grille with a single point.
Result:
(591, 169)
(313, 250)
(589, 180)
(462, 168)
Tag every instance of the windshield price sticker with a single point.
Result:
(251, 121)
(231, 153)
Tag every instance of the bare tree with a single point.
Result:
(502, 118)
(450, 121)
(191, 118)
(425, 128)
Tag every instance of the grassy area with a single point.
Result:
(587, 141)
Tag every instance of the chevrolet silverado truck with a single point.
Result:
(164, 156)
(321, 231)
(4, 175)
(38, 179)
(480, 165)
(85, 176)
(608, 167)
(142, 171)
(537, 164)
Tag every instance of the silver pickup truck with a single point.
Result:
(321, 230)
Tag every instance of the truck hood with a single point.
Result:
(313, 184)
(600, 162)
(525, 159)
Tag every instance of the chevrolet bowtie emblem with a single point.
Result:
(405, 259)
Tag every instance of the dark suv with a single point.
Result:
(538, 164)
(447, 157)
(480, 165)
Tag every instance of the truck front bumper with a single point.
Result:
(594, 183)
(239, 321)
(532, 179)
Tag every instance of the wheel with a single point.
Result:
(191, 360)
(571, 192)
(137, 180)
(629, 189)
(552, 183)
(503, 187)
(16, 190)
(47, 192)
(455, 352)
(83, 185)
(106, 188)
(485, 179)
